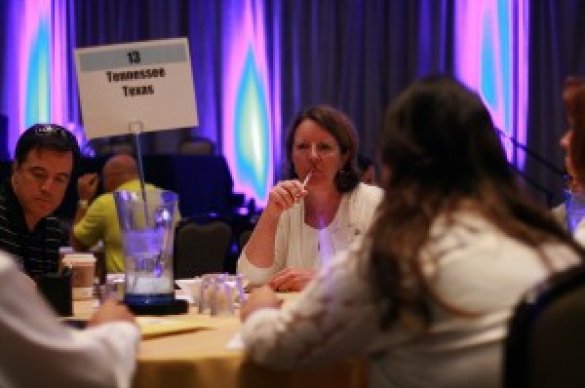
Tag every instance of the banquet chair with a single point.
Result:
(545, 345)
(243, 239)
(201, 248)
(196, 146)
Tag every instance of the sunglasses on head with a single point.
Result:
(49, 129)
(52, 130)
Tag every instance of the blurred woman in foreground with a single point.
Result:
(428, 293)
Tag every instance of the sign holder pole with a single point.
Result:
(136, 128)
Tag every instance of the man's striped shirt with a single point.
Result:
(37, 251)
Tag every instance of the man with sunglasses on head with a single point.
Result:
(37, 349)
(43, 163)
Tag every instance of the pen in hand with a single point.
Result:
(307, 178)
(299, 195)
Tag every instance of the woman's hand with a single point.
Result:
(284, 195)
(291, 279)
(87, 185)
(261, 245)
(259, 298)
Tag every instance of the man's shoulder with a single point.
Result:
(9, 205)
(4, 195)
(134, 185)
(105, 199)
(3, 198)
(152, 186)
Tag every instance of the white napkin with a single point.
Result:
(235, 343)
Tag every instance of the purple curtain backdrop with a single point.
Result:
(354, 54)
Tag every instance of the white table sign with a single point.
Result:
(143, 85)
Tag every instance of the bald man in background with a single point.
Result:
(97, 220)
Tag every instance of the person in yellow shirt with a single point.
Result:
(97, 220)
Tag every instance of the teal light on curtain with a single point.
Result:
(35, 74)
(248, 132)
(492, 57)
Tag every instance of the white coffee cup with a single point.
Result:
(191, 287)
(83, 273)
(115, 285)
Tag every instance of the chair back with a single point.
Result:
(243, 240)
(201, 248)
(545, 345)
(197, 146)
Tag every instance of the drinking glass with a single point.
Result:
(220, 294)
(147, 226)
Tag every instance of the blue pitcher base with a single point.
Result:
(158, 304)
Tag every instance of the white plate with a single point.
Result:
(191, 288)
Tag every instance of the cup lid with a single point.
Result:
(79, 257)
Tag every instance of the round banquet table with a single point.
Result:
(199, 358)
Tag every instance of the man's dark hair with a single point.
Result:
(46, 137)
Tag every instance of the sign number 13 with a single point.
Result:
(133, 57)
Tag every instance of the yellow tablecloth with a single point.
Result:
(200, 359)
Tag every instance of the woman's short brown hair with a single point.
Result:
(342, 129)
